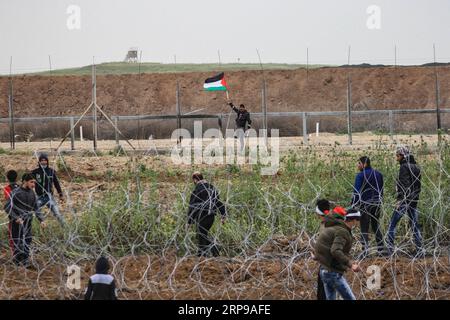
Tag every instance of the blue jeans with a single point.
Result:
(240, 133)
(411, 210)
(49, 201)
(335, 282)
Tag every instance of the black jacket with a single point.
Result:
(408, 182)
(242, 118)
(45, 179)
(22, 203)
(204, 201)
(101, 287)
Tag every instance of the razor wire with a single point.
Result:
(138, 218)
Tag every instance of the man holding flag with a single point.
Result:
(218, 83)
(242, 121)
(243, 117)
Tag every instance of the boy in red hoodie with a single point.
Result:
(11, 175)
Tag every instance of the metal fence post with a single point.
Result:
(264, 109)
(12, 131)
(305, 129)
(72, 134)
(391, 125)
(219, 120)
(349, 110)
(94, 102)
(115, 131)
(178, 107)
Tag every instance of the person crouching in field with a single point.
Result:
(332, 252)
(46, 177)
(11, 175)
(102, 285)
(203, 204)
(20, 207)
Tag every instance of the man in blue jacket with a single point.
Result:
(367, 198)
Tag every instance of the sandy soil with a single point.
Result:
(269, 277)
(324, 140)
(323, 90)
(280, 272)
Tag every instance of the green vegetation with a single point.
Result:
(152, 67)
(146, 212)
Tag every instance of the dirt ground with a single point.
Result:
(271, 277)
(322, 89)
(279, 272)
(323, 140)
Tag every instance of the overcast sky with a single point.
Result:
(195, 30)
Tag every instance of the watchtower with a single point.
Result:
(132, 55)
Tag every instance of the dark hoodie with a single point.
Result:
(204, 201)
(22, 203)
(408, 183)
(45, 179)
(333, 245)
(242, 117)
(101, 285)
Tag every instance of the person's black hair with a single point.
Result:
(197, 176)
(102, 265)
(323, 205)
(43, 156)
(242, 105)
(27, 177)
(365, 160)
(11, 175)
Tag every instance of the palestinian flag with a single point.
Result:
(216, 83)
